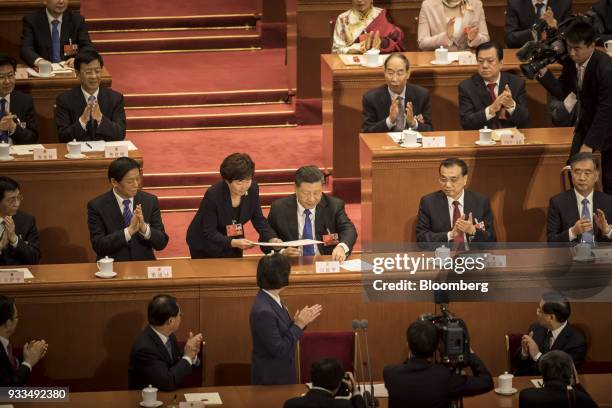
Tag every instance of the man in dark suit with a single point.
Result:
(327, 376)
(397, 105)
(89, 112)
(521, 15)
(53, 34)
(590, 72)
(551, 332)
(311, 214)
(273, 331)
(580, 214)
(125, 223)
(491, 97)
(17, 117)
(12, 372)
(454, 214)
(18, 233)
(156, 358)
(420, 382)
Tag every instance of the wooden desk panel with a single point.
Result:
(274, 396)
(343, 88)
(44, 91)
(77, 313)
(56, 192)
(519, 181)
(311, 35)
(11, 15)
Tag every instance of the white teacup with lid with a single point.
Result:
(441, 55)
(149, 396)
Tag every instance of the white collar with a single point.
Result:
(273, 296)
(558, 330)
(322, 389)
(121, 199)
(50, 18)
(545, 3)
(162, 337)
(460, 199)
(580, 197)
(394, 95)
(301, 208)
(87, 94)
(585, 63)
(7, 98)
(496, 82)
(4, 341)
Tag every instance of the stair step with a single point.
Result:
(157, 180)
(202, 117)
(190, 39)
(206, 98)
(196, 21)
(178, 191)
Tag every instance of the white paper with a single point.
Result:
(209, 398)
(159, 272)
(538, 382)
(298, 243)
(26, 273)
(434, 141)
(356, 265)
(380, 391)
(397, 136)
(33, 73)
(347, 59)
(131, 146)
(327, 267)
(59, 68)
(23, 150)
(570, 102)
(93, 146)
(45, 154)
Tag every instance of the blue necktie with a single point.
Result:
(307, 250)
(169, 347)
(55, 42)
(4, 134)
(127, 213)
(587, 236)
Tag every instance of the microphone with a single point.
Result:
(356, 326)
(370, 400)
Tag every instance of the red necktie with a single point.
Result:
(459, 240)
(502, 111)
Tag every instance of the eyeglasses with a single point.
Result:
(452, 180)
(9, 76)
(14, 200)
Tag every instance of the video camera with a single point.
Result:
(454, 347)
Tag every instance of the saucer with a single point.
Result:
(436, 62)
(511, 391)
(68, 156)
(7, 158)
(410, 145)
(152, 405)
(583, 258)
(480, 143)
(107, 276)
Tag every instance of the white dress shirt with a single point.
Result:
(579, 199)
(580, 70)
(50, 19)
(126, 231)
(488, 114)
(535, 9)
(394, 96)
(554, 334)
(275, 297)
(5, 343)
(301, 217)
(86, 95)
(164, 339)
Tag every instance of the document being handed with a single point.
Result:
(297, 243)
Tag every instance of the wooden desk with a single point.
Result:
(309, 33)
(519, 181)
(56, 192)
(343, 88)
(274, 396)
(95, 321)
(11, 15)
(44, 91)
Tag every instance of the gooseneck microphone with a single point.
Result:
(356, 326)
(370, 399)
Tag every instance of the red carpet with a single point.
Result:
(176, 224)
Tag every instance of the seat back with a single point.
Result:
(196, 379)
(316, 345)
(513, 342)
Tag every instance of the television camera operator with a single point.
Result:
(585, 85)
(421, 382)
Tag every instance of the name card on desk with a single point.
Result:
(159, 272)
(327, 267)
(434, 141)
(191, 404)
(45, 154)
(513, 139)
(111, 152)
(12, 276)
(496, 261)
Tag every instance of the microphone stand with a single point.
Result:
(370, 399)
(356, 326)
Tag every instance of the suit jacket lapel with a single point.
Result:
(66, 23)
(43, 21)
(481, 90)
(320, 218)
(116, 215)
(282, 313)
(161, 347)
(442, 208)
(469, 203)
(385, 101)
(4, 357)
(530, 10)
(292, 217)
(573, 205)
(226, 204)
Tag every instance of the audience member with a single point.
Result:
(17, 116)
(521, 15)
(603, 11)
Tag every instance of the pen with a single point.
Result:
(88, 145)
